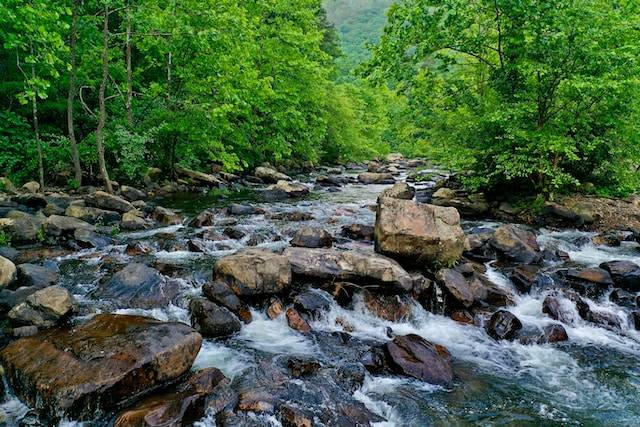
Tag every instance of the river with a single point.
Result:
(593, 379)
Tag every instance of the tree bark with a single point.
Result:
(101, 100)
(71, 96)
(129, 100)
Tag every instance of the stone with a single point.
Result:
(355, 266)
(211, 320)
(419, 234)
(132, 193)
(58, 226)
(6, 186)
(184, 406)
(203, 219)
(44, 308)
(376, 178)
(297, 322)
(469, 205)
(165, 217)
(400, 190)
(31, 201)
(456, 285)
(30, 187)
(104, 200)
(8, 273)
(37, 276)
(222, 294)
(284, 190)
(91, 239)
(358, 232)
(244, 209)
(503, 325)
(254, 272)
(199, 178)
(416, 357)
(625, 274)
(89, 369)
(270, 176)
(556, 309)
(517, 245)
(395, 308)
(133, 220)
(395, 157)
(312, 302)
(93, 215)
(137, 286)
(310, 237)
(25, 229)
(552, 334)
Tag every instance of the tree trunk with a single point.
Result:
(128, 103)
(36, 129)
(71, 96)
(102, 101)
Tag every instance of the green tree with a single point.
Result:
(534, 94)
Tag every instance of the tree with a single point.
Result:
(527, 93)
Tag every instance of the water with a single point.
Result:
(593, 379)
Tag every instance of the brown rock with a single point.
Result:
(297, 322)
(414, 356)
(310, 237)
(254, 272)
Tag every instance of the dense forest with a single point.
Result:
(105, 89)
(538, 96)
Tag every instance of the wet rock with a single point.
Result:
(254, 272)
(331, 181)
(376, 178)
(37, 276)
(490, 294)
(596, 316)
(234, 233)
(354, 266)
(24, 229)
(222, 294)
(416, 357)
(611, 239)
(203, 219)
(303, 367)
(165, 217)
(184, 406)
(138, 248)
(456, 285)
(31, 201)
(559, 309)
(422, 235)
(256, 401)
(244, 209)
(91, 239)
(93, 215)
(635, 320)
(104, 200)
(132, 193)
(8, 273)
(133, 221)
(44, 308)
(297, 322)
(85, 371)
(469, 205)
(199, 178)
(310, 237)
(400, 190)
(625, 274)
(290, 216)
(395, 308)
(137, 286)
(296, 417)
(275, 308)
(623, 298)
(284, 190)
(58, 226)
(270, 176)
(503, 325)
(591, 282)
(211, 320)
(552, 334)
(526, 277)
(515, 244)
(312, 302)
(358, 232)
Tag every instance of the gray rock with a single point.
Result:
(211, 320)
(44, 308)
(284, 190)
(58, 226)
(8, 273)
(270, 176)
(104, 200)
(254, 272)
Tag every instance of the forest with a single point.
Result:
(541, 97)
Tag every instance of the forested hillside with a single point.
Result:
(104, 90)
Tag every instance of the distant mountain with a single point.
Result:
(358, 22)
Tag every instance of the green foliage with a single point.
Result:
(532, 95)
(5, 239)
(130, 151)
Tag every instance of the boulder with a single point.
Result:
(591, 282)
(165, 217)
(199, 178)
(400, 190)
(203, 219)
(31, 201)
(297, 322)
(419, 234)
(37, 276)
(416, 357)
(456, 285)
(211, 320)
(8, 273)
(376, 178)
(137, 286)
(132, 193)
(364, 268)
(133, 220)
(6, 186)
(311, 302)
(310, 237)
(270, 176)
(395, 157)
(625, 274)
(395, 308)
(469, 205)
(44, 308)
(104, 200)
(184, 406)
(91, 239)
(24, 229)
(30, 187)
(552, 334)
(284, 190)
(222, 294)
(517, 245)
(244, 209)
(93, 215)
(254, 272)
(58, 226)
(358, 232)
(92, 368)
(503, 325)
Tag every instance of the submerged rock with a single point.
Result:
(85, 371)
(419, 234)
(414, 356)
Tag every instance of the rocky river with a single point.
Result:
(318, 302)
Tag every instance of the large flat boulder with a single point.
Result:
(418, 234)
(254, 272)
(359, 267)
(90, 369)
(110, 202)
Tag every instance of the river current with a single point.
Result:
(593, 379)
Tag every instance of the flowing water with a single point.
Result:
(593, 379)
